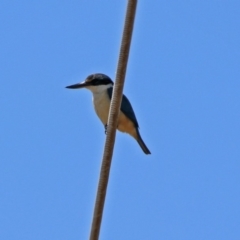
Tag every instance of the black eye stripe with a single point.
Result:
(95, 82)
(101, 82)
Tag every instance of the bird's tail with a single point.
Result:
(142, 144)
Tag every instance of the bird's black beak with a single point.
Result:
(78, 85)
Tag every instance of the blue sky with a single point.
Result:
(183, 80)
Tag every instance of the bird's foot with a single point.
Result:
(105, 126)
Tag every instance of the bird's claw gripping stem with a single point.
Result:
(105, 126)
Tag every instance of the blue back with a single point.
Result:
(126, 107)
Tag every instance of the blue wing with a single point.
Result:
(126, 107)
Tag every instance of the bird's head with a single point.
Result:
(97, 82)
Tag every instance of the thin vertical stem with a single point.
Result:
(112, 119)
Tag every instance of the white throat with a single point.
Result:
(101, 101)
(99, 89)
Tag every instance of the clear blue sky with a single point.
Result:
(183, 81)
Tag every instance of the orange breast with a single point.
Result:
(126, 125)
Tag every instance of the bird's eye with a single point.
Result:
(95, 82)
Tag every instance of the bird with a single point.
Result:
(101, 87)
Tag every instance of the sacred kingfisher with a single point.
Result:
(101, 87)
